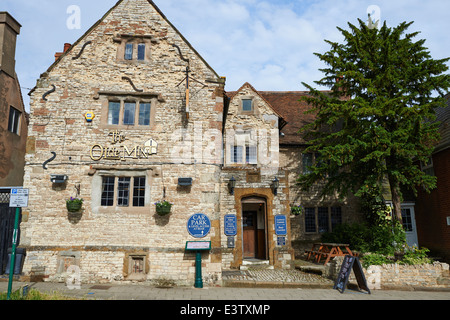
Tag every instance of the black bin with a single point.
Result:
(20, 258)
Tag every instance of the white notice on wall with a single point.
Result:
(18, 198)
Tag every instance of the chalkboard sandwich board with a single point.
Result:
(350, 263)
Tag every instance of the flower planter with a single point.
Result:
(73, 206)
(163, 211)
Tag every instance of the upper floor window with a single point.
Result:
(134, 48)
(307, 162)
(135, 51)
(14, 120)
(129, 113)
(427, 166)
(247, 104)
(129, 51)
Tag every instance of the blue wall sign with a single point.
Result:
(230, 225)
(280, 225)
(199, 225)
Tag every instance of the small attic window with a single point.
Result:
(141, 51)
(129, 51)
(134, 48)
(247, 104)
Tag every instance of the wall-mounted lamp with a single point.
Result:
(55, 178)
(275, 185)
(231, 185)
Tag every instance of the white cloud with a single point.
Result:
(267, 43)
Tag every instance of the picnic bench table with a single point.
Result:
(328, 251)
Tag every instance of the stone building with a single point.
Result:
(131, 115)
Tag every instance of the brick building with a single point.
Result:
(116, 122)
(433, 210)
(13, 117)
(13, 131)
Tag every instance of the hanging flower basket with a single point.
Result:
(297, 210)
(74, 204)
(163, 207)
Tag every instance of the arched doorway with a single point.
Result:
(254, 228)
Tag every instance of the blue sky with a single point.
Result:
(269, 44)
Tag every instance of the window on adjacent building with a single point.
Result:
(322, 219)
(247, 104)
(427, 166)
(322, 215)
(124, 191)
(14, 120)
(307, 162)
(336, 216)
(407, 220)
(310, 220)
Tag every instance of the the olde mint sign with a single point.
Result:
(199, 225)
(117, 151)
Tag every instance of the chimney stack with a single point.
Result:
(59, 54)
(9, 30)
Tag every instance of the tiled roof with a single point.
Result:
(288, 105)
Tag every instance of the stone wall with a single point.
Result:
(398, 276)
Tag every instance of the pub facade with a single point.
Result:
(130, 117)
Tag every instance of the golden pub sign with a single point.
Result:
(121, 152)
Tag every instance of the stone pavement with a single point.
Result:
(147, 292)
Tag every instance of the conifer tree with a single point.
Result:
(378, 118)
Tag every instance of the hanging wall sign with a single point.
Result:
(199, 225)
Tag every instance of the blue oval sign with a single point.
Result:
(199, 225)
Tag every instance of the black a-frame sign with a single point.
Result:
(350, 263)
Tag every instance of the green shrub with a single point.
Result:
(374, 259)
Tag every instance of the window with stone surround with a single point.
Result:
(322, 219)
(244, 150)
(134, 48)
(123, 191)
(129, 113)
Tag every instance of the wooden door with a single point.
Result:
(249, 234)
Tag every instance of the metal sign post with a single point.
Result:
(198, 247)
(18, 199)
